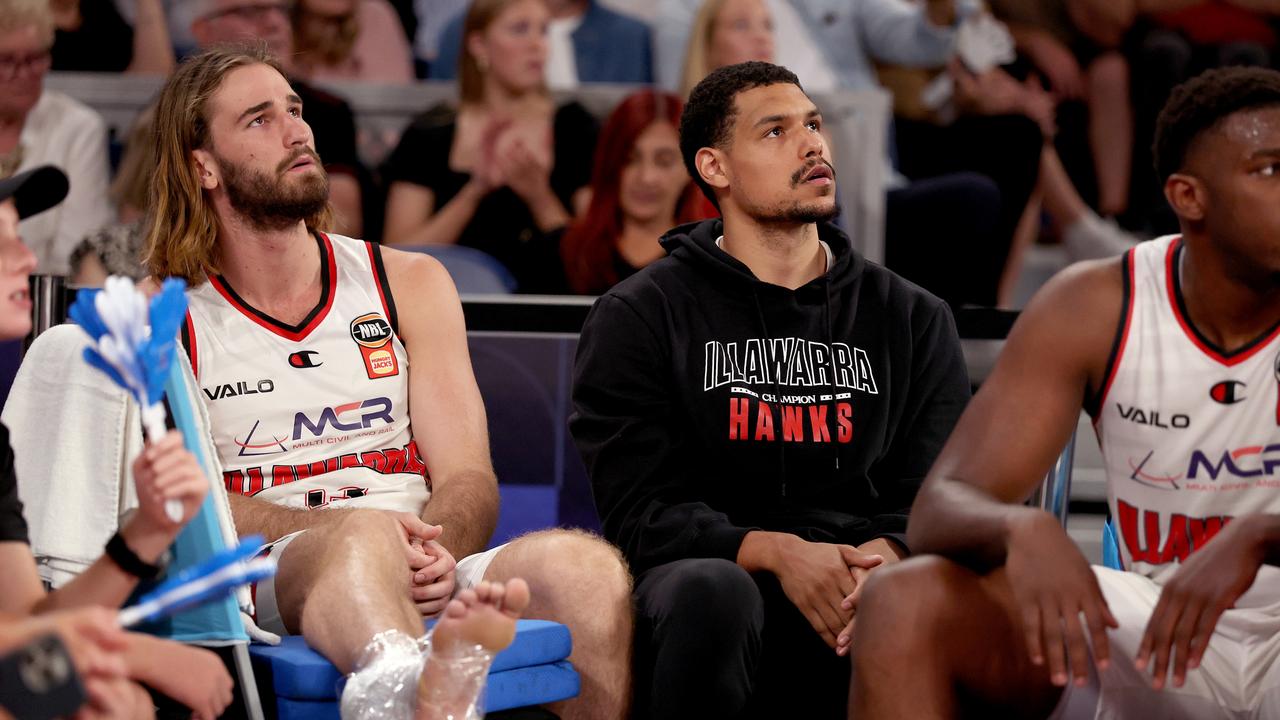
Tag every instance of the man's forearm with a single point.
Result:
(261, 517)
(885, 548)
(466, 506)
(959, 521)
(759, 550)
(104, 582)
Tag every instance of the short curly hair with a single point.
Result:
(710, 111)
(1200, 103)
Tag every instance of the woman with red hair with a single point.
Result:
(640, 191)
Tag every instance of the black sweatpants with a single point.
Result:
(1005, 149)
(941, 234)
(714, 641)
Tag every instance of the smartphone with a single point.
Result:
(39, 681)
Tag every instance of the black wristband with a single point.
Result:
(128, 560)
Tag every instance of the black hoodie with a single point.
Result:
(708, 403)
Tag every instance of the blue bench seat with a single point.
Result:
(532, 671)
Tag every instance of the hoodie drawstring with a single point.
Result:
(777, 391)
(834, 388)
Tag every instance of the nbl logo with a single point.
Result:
(370, 330)
(372, 334)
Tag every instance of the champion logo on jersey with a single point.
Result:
(1228, 392)
(304, 359)
(372, 334)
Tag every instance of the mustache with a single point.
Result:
(293, 158)
(798, 175)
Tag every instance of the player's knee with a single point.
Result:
(910, 595)
(577, 562)
(367, 530)
(589, 556)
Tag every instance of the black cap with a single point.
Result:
(35, 190)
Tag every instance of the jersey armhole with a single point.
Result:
(1094, 405)
(188, 336)
(383, 285)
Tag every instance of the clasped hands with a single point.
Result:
(517, 158)
(825, 582)
(431, 567)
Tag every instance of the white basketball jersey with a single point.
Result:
(314, 415)
(1190, 435)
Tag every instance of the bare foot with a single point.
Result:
(485, 616)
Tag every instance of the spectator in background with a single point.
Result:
(640, 190)
(433, 16)
(848, 36)
(509, 166)
(639, 9)
(117, 248)
(587, 43)
(1173, 41)
(1083, 234)
(1075, 46)
(91, 36)
(331, 120)
(132, 183)
(45, 127)
(358, 40)
(726, 32)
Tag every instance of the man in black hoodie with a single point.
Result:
(756, 412)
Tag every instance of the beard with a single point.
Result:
(822, 209)
(275, 203)
(801, 214)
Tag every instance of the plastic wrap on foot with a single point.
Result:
(457, 690)
(385, 683)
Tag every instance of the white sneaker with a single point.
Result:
(1092, 237)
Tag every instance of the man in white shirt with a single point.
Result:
(43, 127)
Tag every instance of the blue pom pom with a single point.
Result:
(168, 308)
(85, 314)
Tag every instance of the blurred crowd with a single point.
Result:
(1015, 122)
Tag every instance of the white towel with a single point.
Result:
(73, 433)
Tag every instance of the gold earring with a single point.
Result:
(482, 63)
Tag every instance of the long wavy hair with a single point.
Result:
(697, 64)
(590, 245)
(181, 228)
